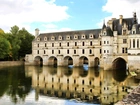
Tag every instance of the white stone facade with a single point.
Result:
(98, 47)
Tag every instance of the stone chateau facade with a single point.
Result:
(118, 41)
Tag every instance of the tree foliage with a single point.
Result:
(16, 43)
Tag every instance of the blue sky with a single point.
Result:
(63, 15)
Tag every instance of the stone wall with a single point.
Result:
(11, 63)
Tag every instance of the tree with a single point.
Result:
(26, 42)
(4, 45)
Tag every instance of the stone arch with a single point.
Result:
(83, 60)
(119, 63)
(119, 67)
(52, 61)
(68, 61)
(38, 61)
(96, 62)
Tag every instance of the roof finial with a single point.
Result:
(135, 17)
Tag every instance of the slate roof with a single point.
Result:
(95, 33)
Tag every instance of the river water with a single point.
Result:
(34, 85)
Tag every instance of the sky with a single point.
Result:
(63, 15)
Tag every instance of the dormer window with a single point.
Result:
(68, 37)
(38, 39)
(83, 36)
(133, 32)
(124, 32)
(75, 37)
(45, 38)
(60, 37)
(90, 35)
(52, 38)
(104, 33)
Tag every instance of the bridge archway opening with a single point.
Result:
(96, 62)
(119, 67)
(68, 61)
(83, 61)
(52, 61)
(38, 61)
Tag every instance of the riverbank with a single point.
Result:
(11, 63)
(132, 98)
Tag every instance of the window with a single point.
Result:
(90, 90)
(124, 40)
(38, 39)
(74, 81)
(37, 45)
(104, 51)
(52, 51)
(44, 51)
(52, 38)
(60, 37)
(90, 35)
(124, 50)
(75, 37)
(68, 37)
(52, 79)
(75, 43)
(90, 43)
(100, 43)
(37, 51)
(67, 80)
(104, 42)
(133, 32)
(83, 51)
(83, 82)
(83, 36)
(83, 44)
(100, 51)
(89, 82)
(124, 32)
(74, 51)
(67, 43)
(52, 44)
(67, 51)
(58, 51)
(60, 44)
(75, 88)
(45, 44)
(107, 42)
(83, 89)
(133, 43)
(137, 43)
(45, 38)
(90, 51)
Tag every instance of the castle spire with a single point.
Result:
(104, 26)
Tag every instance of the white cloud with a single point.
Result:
(25, 12)
(120, 7)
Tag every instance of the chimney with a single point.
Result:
(36, 32)
(121, 18)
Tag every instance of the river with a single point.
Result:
(34, 85)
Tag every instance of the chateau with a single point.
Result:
(117, 43)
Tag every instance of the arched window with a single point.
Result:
(75, 43)
(67, 43)
(74, 51)
(67, 51)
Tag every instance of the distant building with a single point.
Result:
(118, 41)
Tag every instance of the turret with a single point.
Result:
(36, 32)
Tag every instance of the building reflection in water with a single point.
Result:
(92, 85)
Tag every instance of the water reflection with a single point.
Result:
(14, 83)
(77, 84)
(69, 86)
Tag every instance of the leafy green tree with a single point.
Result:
(4, 45)
(26, 42)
